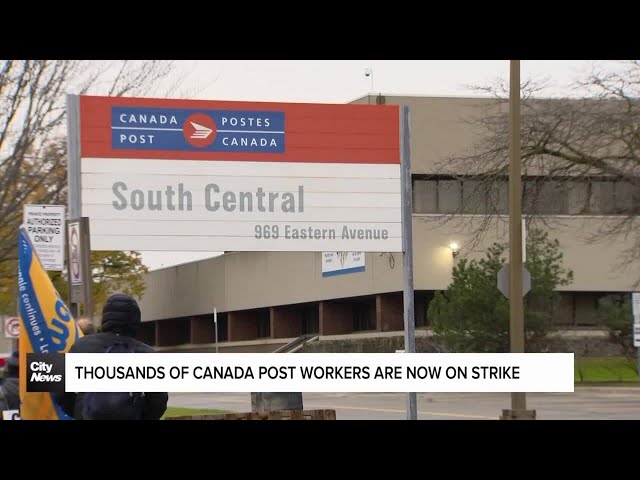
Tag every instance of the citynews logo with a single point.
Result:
(45, 372)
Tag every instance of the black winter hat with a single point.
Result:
(121, 314)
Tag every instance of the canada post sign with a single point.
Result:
(197, 130)
(194, 175)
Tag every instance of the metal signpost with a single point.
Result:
(79, 276)
(215, 323)
(407, 248)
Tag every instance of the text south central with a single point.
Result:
(181, 199)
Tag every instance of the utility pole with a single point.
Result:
(516, 303)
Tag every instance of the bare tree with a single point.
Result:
(32, 115)
(579, 156)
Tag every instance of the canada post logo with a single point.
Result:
(141, 128)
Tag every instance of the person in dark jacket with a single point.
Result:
(120, 323)
(10, 386)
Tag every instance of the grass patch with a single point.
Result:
(607, 369)
(182, 411)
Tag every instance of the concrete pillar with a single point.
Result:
(285, 322)
(389, 312)
(335, 318)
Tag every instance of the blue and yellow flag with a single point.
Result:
(46, 326)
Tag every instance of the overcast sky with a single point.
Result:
(341, 81)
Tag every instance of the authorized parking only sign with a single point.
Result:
(45, 225)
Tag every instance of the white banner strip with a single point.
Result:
(320, 372)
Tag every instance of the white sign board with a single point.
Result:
(11, 415)
(11, 327)
(339, 263)
(45, 226)
(195, 175)
(635, 303)
(524, 240)
(75, 253)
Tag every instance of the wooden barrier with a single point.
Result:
(269, 415)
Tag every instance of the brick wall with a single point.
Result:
(285, 322)
(389, 312)
(335, 318)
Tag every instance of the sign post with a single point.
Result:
(79, 266)
(407, 249)
(215, 323)
(635, 302)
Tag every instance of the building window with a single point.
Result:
(499, 197)
(475, 197)
(540, 196)
(602, 197)
(425, 199)
(449, 196)
(577, 197)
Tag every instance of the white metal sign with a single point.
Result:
(524, 240)
(339, 263)
(11, 415)
(75, 250)
(635, 303)
(45, 226)
(11, 327)
(191, 175)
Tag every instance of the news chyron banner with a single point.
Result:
(309, 372)
(196, 175)
(46, 327)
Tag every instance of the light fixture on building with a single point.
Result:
(455, 249)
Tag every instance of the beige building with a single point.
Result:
(264, 300)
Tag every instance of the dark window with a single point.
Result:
(626, 198)
(578, 197)
(540, 196)
(475, 196)
(553, 197)
(602, 197)
(425, 198)
(449, 196)
(499, 197)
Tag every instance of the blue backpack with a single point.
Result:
(114, 405)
